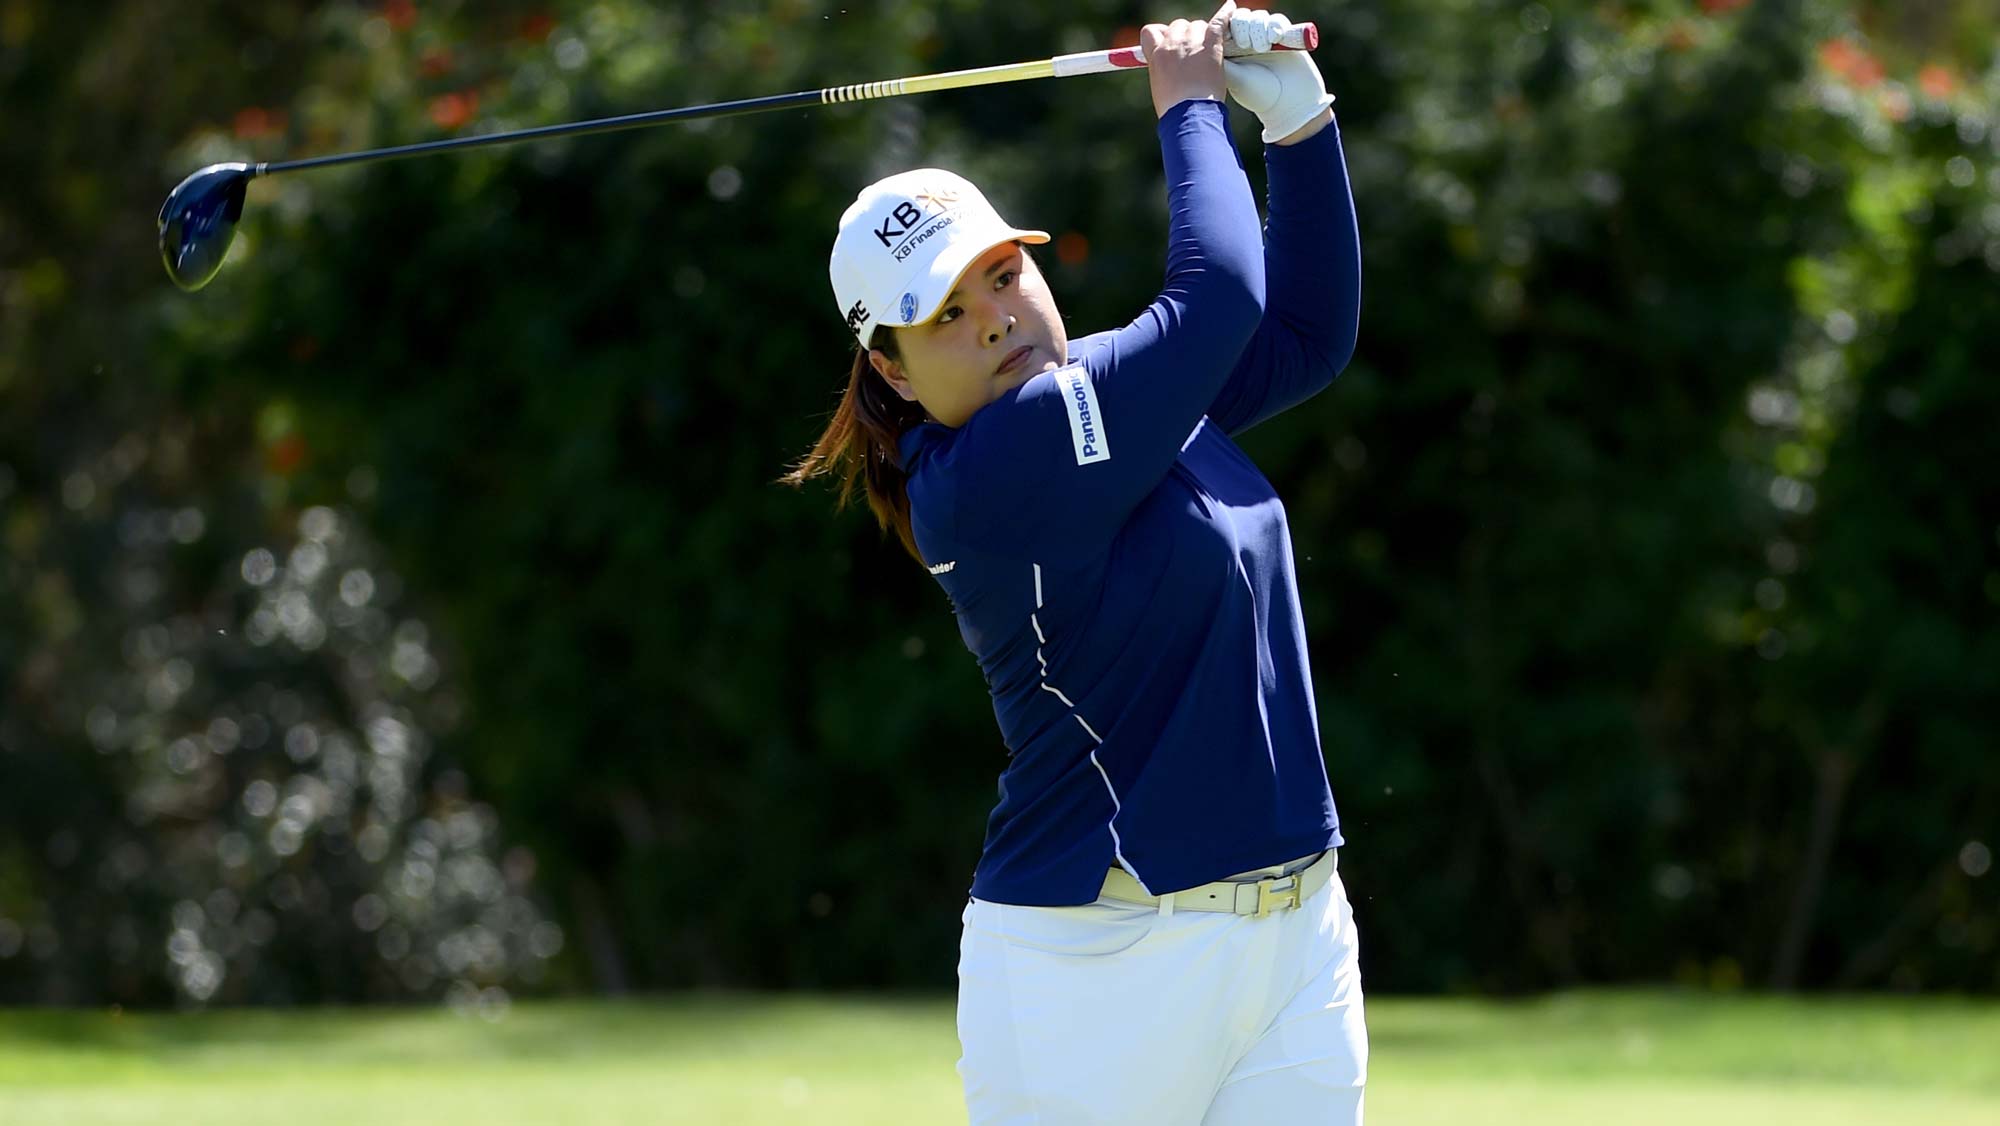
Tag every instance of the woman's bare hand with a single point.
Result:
(1185, 58)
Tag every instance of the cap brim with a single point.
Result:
(937, 283)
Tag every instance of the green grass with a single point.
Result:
(1628, 1058)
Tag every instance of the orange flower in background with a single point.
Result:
(450, 111)
(1894, 102)
(256, 121)
(286, 455)
(1718, 7)
(1937, 81)
(400, 13)
(435, 62)
(537, 26)
(1127, 36)
(1072, 249)
(1850, 63)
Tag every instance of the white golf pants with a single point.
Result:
(1117, 1013)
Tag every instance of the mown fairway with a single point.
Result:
(1637, 1058)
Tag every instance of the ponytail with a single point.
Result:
(859, 443)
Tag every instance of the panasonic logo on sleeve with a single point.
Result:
(1086, 422)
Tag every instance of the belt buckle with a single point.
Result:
(1288, 897)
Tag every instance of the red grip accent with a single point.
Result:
(1308, 38)
(1126, 56)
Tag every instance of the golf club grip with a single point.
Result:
(1298, 37)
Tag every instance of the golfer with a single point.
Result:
(1156, 932)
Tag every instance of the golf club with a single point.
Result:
(200, 215)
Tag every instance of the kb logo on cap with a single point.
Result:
(910, 212)
(909, 308)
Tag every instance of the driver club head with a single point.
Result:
(198, 220)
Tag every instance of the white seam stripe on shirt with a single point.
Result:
(1117, 846)
(1195, 433)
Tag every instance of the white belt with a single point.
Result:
(1255, 899)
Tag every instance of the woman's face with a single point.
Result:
(951, 363)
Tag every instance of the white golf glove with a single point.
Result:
(1283, 88)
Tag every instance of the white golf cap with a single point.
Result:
(903, 243)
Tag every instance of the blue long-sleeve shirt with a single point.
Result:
(1123, 573)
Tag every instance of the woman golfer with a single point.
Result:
(1156, 932)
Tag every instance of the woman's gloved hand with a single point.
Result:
(1283, 88)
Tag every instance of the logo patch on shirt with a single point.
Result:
(942, 568)
(1086, 422)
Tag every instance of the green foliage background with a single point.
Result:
(1649, 548)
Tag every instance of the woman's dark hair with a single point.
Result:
(859, 443)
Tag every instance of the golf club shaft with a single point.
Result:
(1300, 37)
